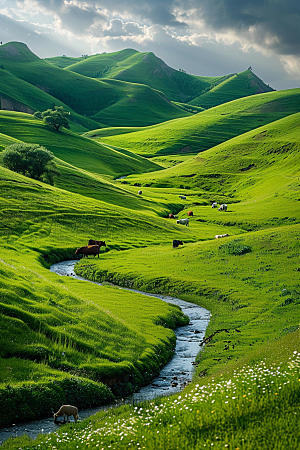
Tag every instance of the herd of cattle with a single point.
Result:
(93, 247)
(185, 221)
(176, 242)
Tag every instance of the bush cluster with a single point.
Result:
(235, 247)
(33, 401)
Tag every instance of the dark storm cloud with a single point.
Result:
(269, 24)
(160, 15)
(78, 19)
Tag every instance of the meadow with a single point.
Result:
(209, 128)
(65, 329)
(251, 406)
(69, 341)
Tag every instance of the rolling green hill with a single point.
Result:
(211, 127)
(63, 61)
(146, 68)
(239, 85)
(256, 173)
(71, 148)
(19, 95)
(96, 99)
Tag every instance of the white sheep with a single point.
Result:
(67, 410)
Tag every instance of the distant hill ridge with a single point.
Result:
(111, 89)
(106, 102)
(17, 51)
(146, 68)
(230, 89)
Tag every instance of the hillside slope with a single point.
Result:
(256, 174)
(71, 148)
(87, 96)
(19, 95)
(145, 68)
(239, 85)
(211, 127)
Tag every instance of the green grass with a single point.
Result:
(252, 406)
(104, 101)
(68, 341)
(237, 86)
(145, 68)
(265, 194)
(78, 329)
(71, 148)
(209, 128)
(134, 98)
(63, 61)
(19, 95)
(245, 294)
(112, 131)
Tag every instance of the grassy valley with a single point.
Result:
(209, 128)
(65, 340)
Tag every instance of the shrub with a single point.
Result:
(31, 160)
(235, 247)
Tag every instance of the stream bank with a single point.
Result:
(172, 378)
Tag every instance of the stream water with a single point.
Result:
(172, 378)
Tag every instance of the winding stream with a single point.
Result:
(172, 378)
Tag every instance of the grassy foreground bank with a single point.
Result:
(252, 405)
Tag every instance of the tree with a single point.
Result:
(56, 118)
(31, 160)
(38, 115)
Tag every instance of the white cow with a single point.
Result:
(223, 207)
(183, 222)
(214, 205)
(218, 236)
(183, 197)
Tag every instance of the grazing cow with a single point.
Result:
(100, 243)
(171, 216)
(140, 192)
(88, 250)
(183, 222)
(183, 197)
(176, 243)
(223, 207)
(219, 236)
(190, 213)
(214, 205)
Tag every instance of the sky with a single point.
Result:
(202, 37)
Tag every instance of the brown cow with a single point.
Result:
(190, 213)
(100, 243)
(88, 250)
(171, 216)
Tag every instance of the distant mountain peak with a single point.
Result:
(17, 51)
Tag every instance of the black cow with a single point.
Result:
(176, 243)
